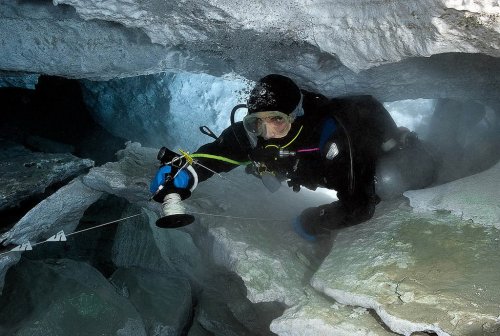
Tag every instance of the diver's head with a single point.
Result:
(273, 105)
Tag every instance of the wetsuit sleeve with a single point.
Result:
(232, 144)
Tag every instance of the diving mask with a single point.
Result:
(255, 123)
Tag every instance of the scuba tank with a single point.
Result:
(401, 169)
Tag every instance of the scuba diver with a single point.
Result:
(309, 141)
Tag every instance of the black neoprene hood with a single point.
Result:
(274, 93)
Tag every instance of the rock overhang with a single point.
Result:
(330, 47)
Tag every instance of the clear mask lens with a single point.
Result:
(256, 123)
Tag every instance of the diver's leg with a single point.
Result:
(322, 220)
(352, 208)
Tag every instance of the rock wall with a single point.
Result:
(378, 47)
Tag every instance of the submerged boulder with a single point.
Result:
(163, 301)
(64, 297)
(404, 271)
(24, 174)
(60, 211)
(418, 271)
(472, 198)
(319, 316)
(254, 239)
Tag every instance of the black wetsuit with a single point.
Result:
(358, 125)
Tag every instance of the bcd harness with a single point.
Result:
(272, 152)
(260, 166)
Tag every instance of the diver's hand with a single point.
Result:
(165, 155)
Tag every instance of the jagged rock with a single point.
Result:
(221, 304)
(474, 197)
(198, 330)
(177, 248)
(212, 314)
(418, 271)
(319, 316)
(60, 211)
(24, 174)
(173, 252)
(128, 178)
(134, 246)
(27, 81)
(321, 46)
(416, 30)
(163, 301)
(351, 32)
(407, 50)
(6, 261)
(238, 245)
(399, 264)
(218, 309)
(223, 308)
(273, 262)
(26, 18)
(64, 297)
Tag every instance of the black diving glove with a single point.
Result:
(165, 156)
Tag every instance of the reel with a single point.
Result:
(173, 210)
(174, 213)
